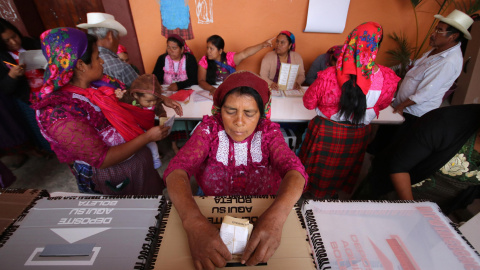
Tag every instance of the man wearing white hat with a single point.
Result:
(425, 84)
(431, 76)
(108, 32)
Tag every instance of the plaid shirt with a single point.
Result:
(116, 68)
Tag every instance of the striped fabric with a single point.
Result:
(333, 155)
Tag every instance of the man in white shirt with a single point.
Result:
(425, 84)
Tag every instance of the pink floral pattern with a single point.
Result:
(61, 47)
(358, 54)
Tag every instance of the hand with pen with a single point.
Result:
(16, 71)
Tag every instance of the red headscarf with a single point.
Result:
(358, 55)
(238, 79)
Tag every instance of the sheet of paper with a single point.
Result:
(327, 16)
(277, 93)
(283, 76)
(292, 76)
(167, 93)
(202, 95)
(234, 233)
(169, 123)
(293, 93)
(34, 59)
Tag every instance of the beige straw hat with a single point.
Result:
(459, 20)
(104, 20)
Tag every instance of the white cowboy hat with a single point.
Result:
(98, 19)
(459, 20)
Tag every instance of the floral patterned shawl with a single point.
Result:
(358, 55)
(61, 47)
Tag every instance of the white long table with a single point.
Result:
(284, 109)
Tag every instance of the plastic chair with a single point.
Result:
(289, 137)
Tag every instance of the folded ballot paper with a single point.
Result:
(235, 233)
(168, 122)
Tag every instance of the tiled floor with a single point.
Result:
(53, 176)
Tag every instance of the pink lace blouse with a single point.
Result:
(76, 129)
(222, 166)
(324, 94)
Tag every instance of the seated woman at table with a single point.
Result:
(284, 53)
(322, 62)
(215, 67)
(236, 151)
(438, 160)
(177, 67)
(102, 139)
(346, 98)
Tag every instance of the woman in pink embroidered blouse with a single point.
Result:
(176, 68)
(216, 65)
(346, 98)
(236, 151)
(101, 139)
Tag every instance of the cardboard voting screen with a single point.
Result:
(293, 253)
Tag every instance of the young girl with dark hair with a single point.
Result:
(217, 64)
(346, 98)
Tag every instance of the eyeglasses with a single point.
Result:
(439, 31)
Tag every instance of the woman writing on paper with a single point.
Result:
(346, 98)
(19, 84)
(236, 151)
(177, 67)
(284, 53)
(215, 67)
(103, 140)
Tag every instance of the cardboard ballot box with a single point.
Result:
(294, 251)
